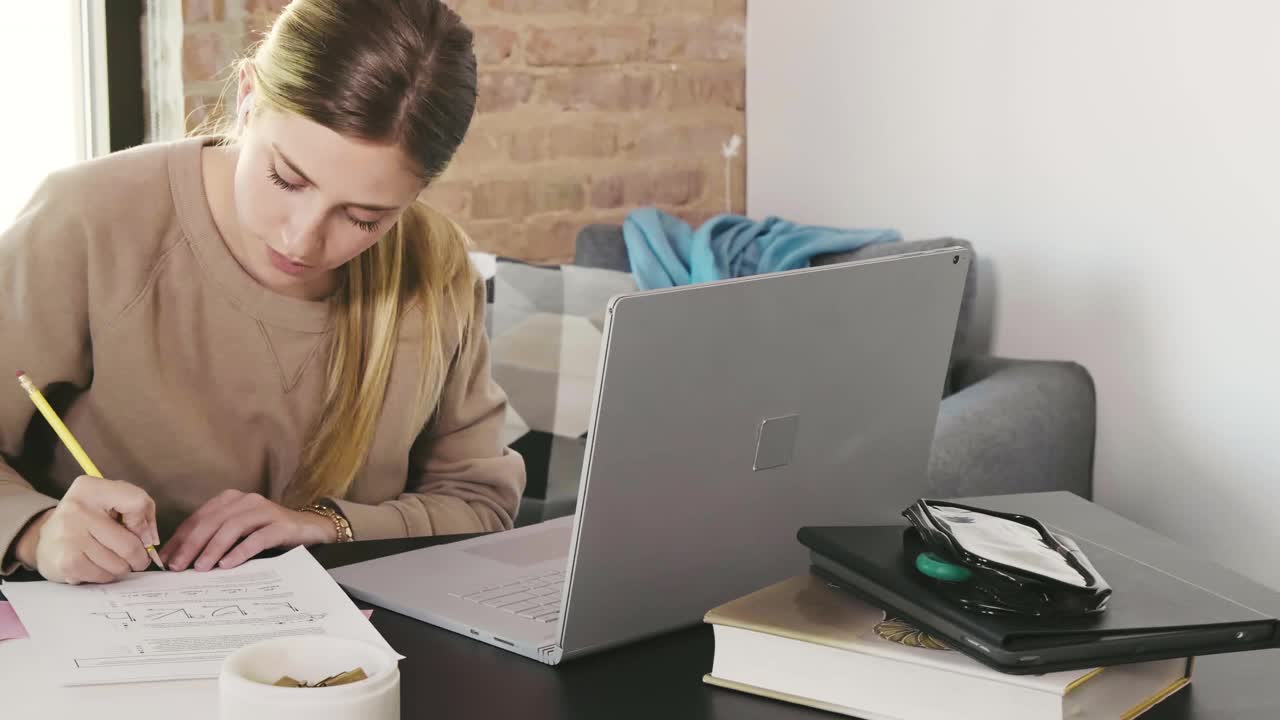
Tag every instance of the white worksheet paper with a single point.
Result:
(173, 626)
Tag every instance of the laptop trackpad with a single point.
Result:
(529, 549)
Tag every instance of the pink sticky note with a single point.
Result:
(10, 626)
(366, 613)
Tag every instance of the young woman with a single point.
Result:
(260, 337)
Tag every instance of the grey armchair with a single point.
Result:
(1004, 425)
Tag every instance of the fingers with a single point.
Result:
(138, 512)
(103, 558)
(174, 545)
(209, 537)
(81, 569)
(262, 539)
(122, 543)
(131, 503)
(74, 568)
(193, 534)
(67, 551)
(232, 529)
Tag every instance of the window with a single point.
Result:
(54, 88)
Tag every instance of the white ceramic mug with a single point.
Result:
(246, 689)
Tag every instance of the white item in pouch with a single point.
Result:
(1007, 542)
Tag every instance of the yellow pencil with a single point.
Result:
(69, 440)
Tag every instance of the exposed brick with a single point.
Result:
(624, 63)
(599, 89)
(611, 217)
(735, 8)
(502, 237)
(194, 11)
(677, 186)
(696, 217)
(576, 141)
(607, 192)
(557, 195)
(587, 44)
(682, 39)
(654, 7)
(723, 86)
(481, 147)
(552, 238)
(738, 191)
(539, 6)
(660, 140)
(196, 108)
(503, 90)
(205, 55)
(500, 199)
(269, 7)
(454, 173)
(638, 189)
(451, 198)
(494, 44)
(256, 27)
(528, 145)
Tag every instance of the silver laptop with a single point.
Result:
(726, 416)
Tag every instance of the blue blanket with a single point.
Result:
(666, 252)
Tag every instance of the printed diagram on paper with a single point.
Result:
(164, 626)
(230, 603)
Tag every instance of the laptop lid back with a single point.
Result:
(727, 415)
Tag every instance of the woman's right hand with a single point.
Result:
(82, 540)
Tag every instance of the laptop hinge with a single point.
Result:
(550, 654)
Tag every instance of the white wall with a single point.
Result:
(1119, 163)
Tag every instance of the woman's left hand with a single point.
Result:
(207, 538)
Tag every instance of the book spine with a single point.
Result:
(867, 686)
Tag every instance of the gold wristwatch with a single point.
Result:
(329, 510)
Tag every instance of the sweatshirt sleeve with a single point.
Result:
(44, 330)
(461, 478)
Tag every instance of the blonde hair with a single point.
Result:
(401, 72)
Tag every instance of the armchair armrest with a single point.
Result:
(1015, 426)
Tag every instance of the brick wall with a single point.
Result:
(588, 108)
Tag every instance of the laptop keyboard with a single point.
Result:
(536, 597)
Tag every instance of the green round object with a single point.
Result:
(939, 569)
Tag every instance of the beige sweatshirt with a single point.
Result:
(177, 372)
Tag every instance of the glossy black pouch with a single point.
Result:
(1001, 563)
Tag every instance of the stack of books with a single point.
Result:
(804, 642)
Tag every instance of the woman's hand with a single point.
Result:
(82, 540)
(205, 539)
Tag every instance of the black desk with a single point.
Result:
(449, 676)
(445, 675)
